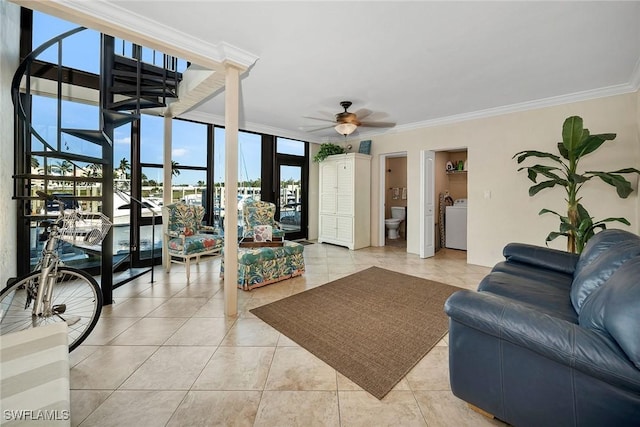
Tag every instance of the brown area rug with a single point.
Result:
(372, 326)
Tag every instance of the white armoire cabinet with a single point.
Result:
(345, 199)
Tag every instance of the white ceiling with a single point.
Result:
(412, 63)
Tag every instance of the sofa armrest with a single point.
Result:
(553, 259)
(564, 342)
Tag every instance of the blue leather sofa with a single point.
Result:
(552, 338)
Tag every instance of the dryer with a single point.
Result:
(456, 225)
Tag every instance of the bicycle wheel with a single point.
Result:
(76, 300)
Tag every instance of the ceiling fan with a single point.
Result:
(346, 123)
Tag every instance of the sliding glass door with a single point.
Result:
(290, 183)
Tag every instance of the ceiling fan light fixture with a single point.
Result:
(345, 128)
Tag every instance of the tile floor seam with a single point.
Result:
(89, 414)
(413, 393)
(273, 356)
(139, 366)
(203, 368)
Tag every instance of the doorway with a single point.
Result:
(449, 187)
(393, 199)
(291, 199)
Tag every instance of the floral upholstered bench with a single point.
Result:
(185, 236)
(264, 265)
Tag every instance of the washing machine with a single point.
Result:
(456, 225)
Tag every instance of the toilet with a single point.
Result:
(392, 224)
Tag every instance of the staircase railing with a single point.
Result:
(149, 86)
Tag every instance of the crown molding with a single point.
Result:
(622, 89)
(519, 107)
(113, 19)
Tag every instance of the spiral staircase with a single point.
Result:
(126, 87)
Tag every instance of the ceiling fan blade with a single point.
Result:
(377, 124)
(317, 129)
(363, 113)
(322, 116)
(318, 118)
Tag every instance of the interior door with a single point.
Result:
(427, 204)
(291, 197)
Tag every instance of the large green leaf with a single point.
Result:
(534, 189)
(623, 187)
(572, 131)
(531, 173)
(563, 151)
(554, 234)
(534, 170)
(627, 170)
(582, 212)
(565, 227)
(592, 143)
(577, 178)
(620, 219)
(522, 155)
(563, 219)
(584, 225)
(544, 211)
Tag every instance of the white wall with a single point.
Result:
(314, 196)
(637, 166)
(510, 214)
(9, 57)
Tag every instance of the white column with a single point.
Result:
(166, 180)
(231, 106)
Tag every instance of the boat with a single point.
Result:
(122, 207)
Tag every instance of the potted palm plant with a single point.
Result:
(327, 149)
(577, 226)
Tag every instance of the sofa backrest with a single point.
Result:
(603, 255)
(614, 309)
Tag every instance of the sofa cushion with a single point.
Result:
(546, 298)
(614, 309)
(592, 275)
(195, 244)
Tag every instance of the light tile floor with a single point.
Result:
(165, 354)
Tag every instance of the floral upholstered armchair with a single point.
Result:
(185, 236)
(256, 213)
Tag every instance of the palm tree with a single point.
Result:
(200, 183)
(65, 166)
(35, 164)
(174, 168)
(124, 167)
(94, 170)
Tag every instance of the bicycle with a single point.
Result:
(54, 292)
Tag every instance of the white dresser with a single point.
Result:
(345, 200)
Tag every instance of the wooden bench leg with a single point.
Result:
(480, 411)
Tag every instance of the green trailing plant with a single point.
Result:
(327, 149)
(577, 226)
